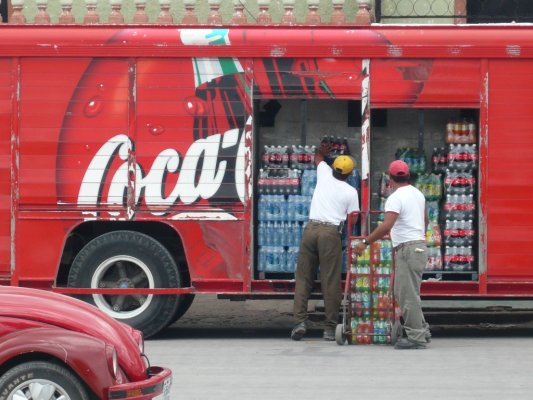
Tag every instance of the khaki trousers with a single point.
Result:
(409, 263)
(320, 245)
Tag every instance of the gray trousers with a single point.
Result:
(409, 262)
(320, 245)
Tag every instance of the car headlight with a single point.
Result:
(112, 361)
(139, 338)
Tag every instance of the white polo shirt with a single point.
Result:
(410, 205)
(332, 199)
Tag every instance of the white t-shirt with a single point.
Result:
(410, 205)
(332, 199)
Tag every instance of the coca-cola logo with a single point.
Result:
(167, 136)
(199, 173)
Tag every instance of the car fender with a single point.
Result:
(72, 314)
(85, 355)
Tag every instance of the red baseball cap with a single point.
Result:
(399, 168)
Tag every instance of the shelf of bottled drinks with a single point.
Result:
(448, 180)
(285, 185)
(449, 184)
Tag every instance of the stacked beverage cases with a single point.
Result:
(450, 192)
(457, 163)
(430, 184)
(285, 185)
(459, 209)
(371, 299)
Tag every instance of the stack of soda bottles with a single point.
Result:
(282, 207)
(439, 160)
(431, 186)
(414, 158)
(463, 131)
(385, 190)
(459, 208)
(286, 183)
(371, 298)
(338, 147)
(282, 181)
(434, 242)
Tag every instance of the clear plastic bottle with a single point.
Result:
(261, 234)
(261, 259)
(265, 157)
(290, 208)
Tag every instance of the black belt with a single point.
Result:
(408, 243)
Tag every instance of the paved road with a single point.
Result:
(241, 350)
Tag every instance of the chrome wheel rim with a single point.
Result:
(123, 271)
(39, 389)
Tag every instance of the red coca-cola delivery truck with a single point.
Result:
(132, 155)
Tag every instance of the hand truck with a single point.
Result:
(369, 310)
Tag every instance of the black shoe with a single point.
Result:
(329, 334)
(407, 344)
(299, 331)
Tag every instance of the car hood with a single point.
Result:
(76, 315)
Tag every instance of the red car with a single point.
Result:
(56, 347)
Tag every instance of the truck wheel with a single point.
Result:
(184, 304)
(39, 380)
(127, 259)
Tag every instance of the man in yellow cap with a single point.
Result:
(321, 245)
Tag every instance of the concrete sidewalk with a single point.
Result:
(241, 350)
(232, 366)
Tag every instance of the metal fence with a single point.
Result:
(459, 11)
(392, 11)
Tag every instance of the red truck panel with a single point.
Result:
(7, 92)
(509, 195)
(115, 125)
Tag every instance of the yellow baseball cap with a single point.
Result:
(344, 165)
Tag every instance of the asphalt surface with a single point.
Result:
(241, 350)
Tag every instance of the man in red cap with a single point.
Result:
(406, 219)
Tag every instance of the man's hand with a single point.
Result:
(324, 149)
(359, 248)
(322, 152)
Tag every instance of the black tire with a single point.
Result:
(185, 302)
(128, 259)
(53, 377)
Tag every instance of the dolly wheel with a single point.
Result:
(396, 332)
(340, 336)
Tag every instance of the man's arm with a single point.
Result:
(380, 231)
(321, 152)
(383, 228)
